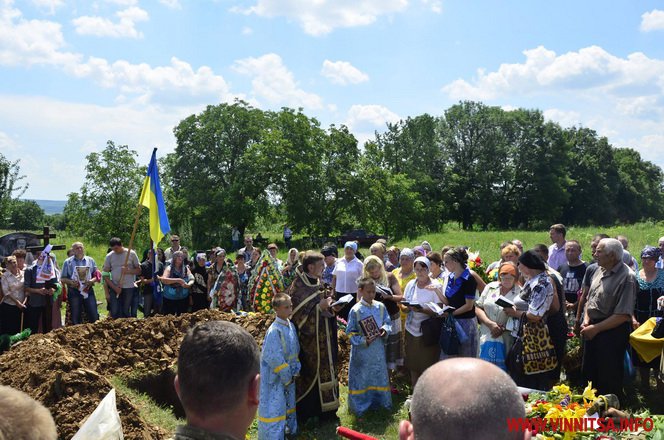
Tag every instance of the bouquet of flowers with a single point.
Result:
(477, 264)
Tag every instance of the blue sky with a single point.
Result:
(74, 74)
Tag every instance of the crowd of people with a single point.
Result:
(404, 310)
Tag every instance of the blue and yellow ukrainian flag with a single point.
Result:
(152, 199)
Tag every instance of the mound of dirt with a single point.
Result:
(67, 369)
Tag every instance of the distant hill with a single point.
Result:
(52, 206)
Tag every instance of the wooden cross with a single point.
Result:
(46, 236)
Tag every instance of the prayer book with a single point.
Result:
(504, 302)
(343, 300)
(437, 309)
(370, 328)
(411, 304)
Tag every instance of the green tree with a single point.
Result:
(593, 179)
(640, 193)
(106, 205)
(214, 181)
(10, 188)
(26, 215)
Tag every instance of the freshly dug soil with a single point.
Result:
(67, 369)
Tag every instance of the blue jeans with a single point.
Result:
(236, 245)
(121, 306)
(77, 302)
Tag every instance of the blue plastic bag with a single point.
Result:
(494, 351)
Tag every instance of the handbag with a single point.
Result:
(449, 339)
(658, 331)
(431, 329)
(539, 355)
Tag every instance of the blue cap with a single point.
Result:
(351, 244)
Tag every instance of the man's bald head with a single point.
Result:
(465, 398)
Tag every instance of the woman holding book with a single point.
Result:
(460, 294)
(418, 292)
(495, 338)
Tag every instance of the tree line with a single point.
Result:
(481, 166)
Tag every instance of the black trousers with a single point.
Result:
(10, 317)
(175, 306)
(603, 359)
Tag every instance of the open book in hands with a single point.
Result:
(437, 309)
(343, 300)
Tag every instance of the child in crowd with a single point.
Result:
(279, 366)
(368, 327)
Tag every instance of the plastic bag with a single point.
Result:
(104, 422)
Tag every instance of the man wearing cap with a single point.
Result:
(345, 275)
(175, 246)
(607, 319)
(273, 249)
(330, 254)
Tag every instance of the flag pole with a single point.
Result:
(133, 233)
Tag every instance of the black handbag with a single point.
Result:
(449, 338)
(431, 329)
(658, 331)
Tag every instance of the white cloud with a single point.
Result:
(171, 4)
(343, 72)
(543, 72)
(247, 30)
(123, 2)
(566, 118)
(72, 130)
(274, 83)
(48, 6)
(7, 143)
(29, 42)
(143, 79)
(361, 116)
(40, 42)
(125, 27)
(321, 17)
(435, 6)
(652, 21)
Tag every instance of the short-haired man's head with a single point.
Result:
(364, 282)
(216, 364)
(311, 258)
(542, 250)
(280, 299)
(477, 403)
(22, 417)
(573, 243)
(559, 228)
(613, 247)
(113, 242)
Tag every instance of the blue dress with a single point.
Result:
(368, 382)
(279, 366)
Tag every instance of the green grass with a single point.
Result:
(148, 409)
